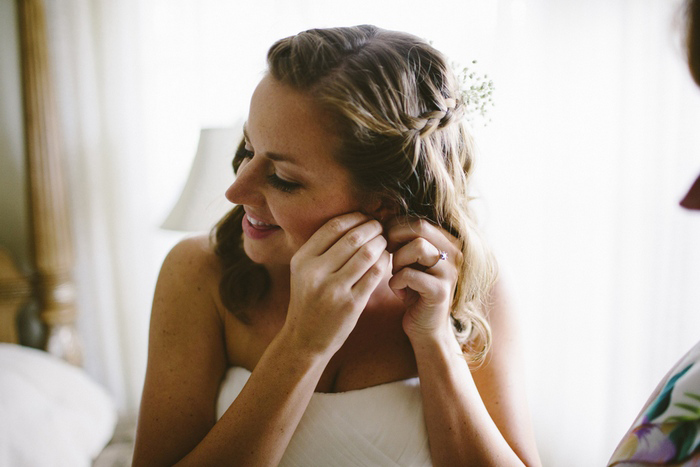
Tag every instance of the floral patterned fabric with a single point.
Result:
(667, 432)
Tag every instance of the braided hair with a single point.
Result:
(395, 106)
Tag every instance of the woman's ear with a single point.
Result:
(380, 209)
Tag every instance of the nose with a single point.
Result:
(245, 189)
(230, 192)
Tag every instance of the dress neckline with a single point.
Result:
(412, 381)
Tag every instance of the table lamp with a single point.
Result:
(202, 202)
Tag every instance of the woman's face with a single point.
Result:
(290, 184)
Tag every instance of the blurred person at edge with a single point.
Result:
(667, 430)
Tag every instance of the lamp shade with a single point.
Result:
(202, 202)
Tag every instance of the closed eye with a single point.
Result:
(282, 184)
(243, 154)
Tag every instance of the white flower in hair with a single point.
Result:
(476, 92)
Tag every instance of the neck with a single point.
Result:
(383, 298)
(279, 279)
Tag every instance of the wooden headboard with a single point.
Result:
(15, 291)
(50, 285)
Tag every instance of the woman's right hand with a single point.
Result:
(332, 277)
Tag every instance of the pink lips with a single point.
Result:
(257, 232)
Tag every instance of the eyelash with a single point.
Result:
(275, 181)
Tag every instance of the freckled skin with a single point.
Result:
(326, 318)
(283, 121)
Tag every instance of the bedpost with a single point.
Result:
(52, 247)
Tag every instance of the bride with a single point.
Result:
(338, 315)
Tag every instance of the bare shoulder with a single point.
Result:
(193, 258)
(185, 317)
(186, 355)
(190, 275)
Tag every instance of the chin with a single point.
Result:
(265, 256)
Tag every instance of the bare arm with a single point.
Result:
(187, 360)
(335, 272)
(257, 426)
(478, 419)
(485, 412)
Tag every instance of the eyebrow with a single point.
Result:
(273, 155)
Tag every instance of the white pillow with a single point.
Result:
(51, 413)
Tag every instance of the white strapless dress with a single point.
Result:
(377, 426)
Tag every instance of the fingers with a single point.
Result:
(371, 278)
(430, 287)
(337, 241)
(403, 232)
(357, 249)
(418, 251)
(413, 279)
(363, 259)
(421, 245)
(343, 249)
(330, 232)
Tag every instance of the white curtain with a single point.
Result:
(96, 52)
(592, 141)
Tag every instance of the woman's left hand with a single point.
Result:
(426, 265)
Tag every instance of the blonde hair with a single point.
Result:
(395, 105)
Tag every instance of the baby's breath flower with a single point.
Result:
(476, 92)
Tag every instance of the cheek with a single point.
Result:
(304, 225)
(305, 222)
